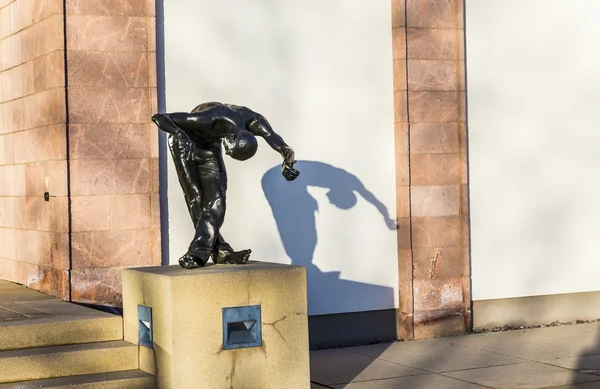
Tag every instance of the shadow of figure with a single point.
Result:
(294, 211)
(587, 364)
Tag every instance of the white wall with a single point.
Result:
(533, 98)
(321, 72)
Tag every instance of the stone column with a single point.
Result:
(401, 126)
(83, 136)
(113, 147)
(34, 242)
(432, 186)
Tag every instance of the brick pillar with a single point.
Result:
(34, 242)
(84, 136)
(401, 126)
(431, 168)
(113, 148)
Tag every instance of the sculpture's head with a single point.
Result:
(343, 199)
(240, 146)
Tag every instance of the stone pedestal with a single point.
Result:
(198, 342)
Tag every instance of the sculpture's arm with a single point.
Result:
(259, 126)
(171, 123)
(174, 123)
(165, 123)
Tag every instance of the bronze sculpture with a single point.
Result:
(195, 142)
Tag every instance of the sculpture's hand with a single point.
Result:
(288, 171)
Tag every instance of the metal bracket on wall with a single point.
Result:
(145, 326)
(47, 196)
(242, 327)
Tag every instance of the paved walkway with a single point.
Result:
(19, 305)
(16, 302)
(552, 357)
(32, 319)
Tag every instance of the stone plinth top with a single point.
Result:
(178, 271)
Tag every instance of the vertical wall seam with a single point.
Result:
(466, 151)
(67, 140)
(161, 98)
(408, 130)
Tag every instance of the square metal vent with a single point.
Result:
(145, 326)
(242, 327)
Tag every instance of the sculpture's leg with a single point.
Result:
(204, 187)
(222, 250)
(224, 253)
(191, 184)
(211, 216)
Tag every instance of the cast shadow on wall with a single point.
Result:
(294, 211)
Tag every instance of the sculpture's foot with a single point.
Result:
(189, 261)
(238, 257)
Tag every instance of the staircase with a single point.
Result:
(48, 343)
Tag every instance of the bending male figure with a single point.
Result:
(195, 142)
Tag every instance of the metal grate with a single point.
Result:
(145, 326)
(242, 327)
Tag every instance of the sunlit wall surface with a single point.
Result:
(532, 80)
(321, 72)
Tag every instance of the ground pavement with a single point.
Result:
(553, 357)
(563, 357)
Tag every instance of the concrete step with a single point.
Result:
(129, 379)
(62, 361)
(55, 323)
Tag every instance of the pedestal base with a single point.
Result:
(198, 342)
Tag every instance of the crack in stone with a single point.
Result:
(263, 348)
(277, 321)
(438, 255)
(140, 69)
(277, 329)
(248, 290)
(114, 61)
(232, 372)
(274, 324)
(140, 171)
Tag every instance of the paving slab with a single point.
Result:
(537, 349)
(23, 309)
(566, 330)
(63, 361)
(330, 367)
(584, 363)
(434, 355)
(429, 381)
(490, 338)
(32, 319)
(531, 375)
(586, 385)
(9, 285)
(63, 308)
(128, 379)
(11, 292)
(6, 315)
(587, 331)
(590, 343)
(557, 357)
